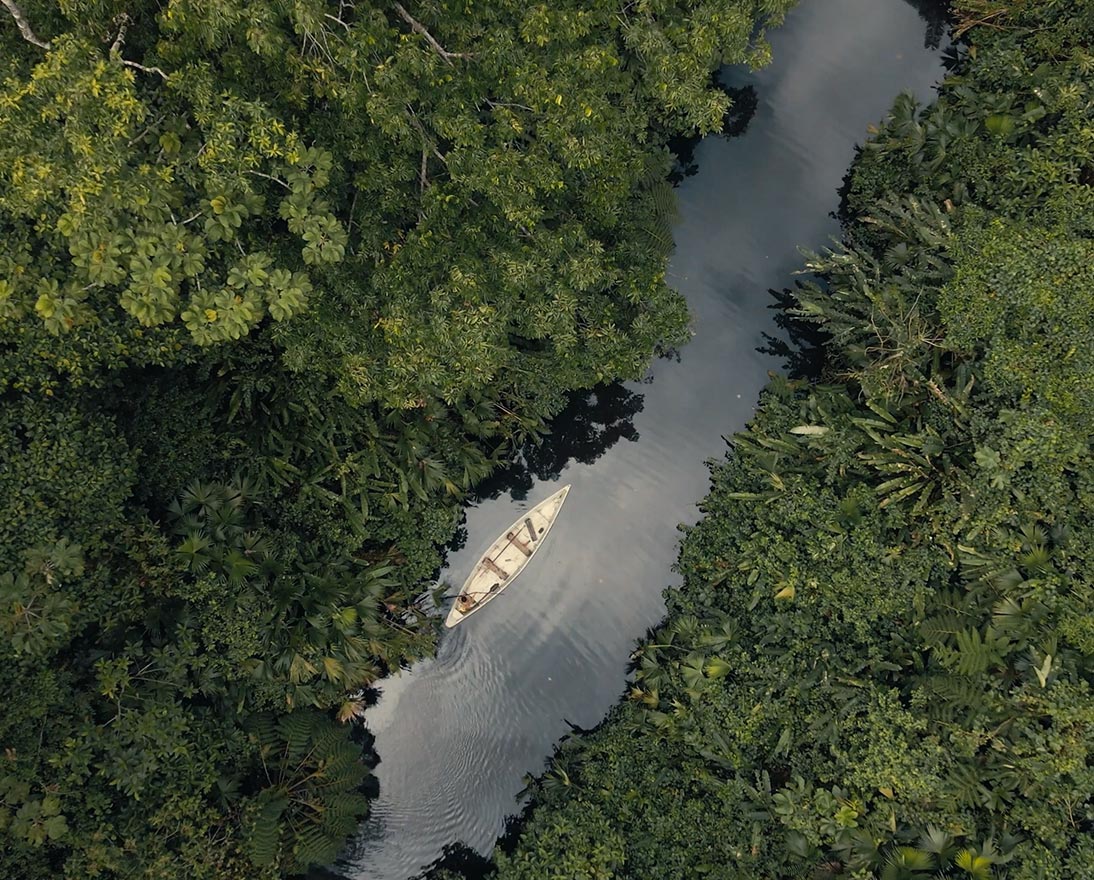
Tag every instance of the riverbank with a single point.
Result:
(880, 660)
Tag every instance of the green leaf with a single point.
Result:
(717, 668)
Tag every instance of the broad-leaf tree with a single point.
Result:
(280, 283)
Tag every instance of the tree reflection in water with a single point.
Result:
(740, 113)
(592, 422)
(802, 349)
(936, 13)
(458, 861)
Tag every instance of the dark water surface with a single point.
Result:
(456, 733)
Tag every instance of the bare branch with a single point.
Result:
(123, 24)
(24, 26)
(270, 177)
(317, 46)
(426, 140)
(419, 28)
(142, 68)
(427, 148)
(122, 21)
(352, 208)
(493, 105)
(152, 125)
(987, 19)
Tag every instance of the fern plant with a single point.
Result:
(311, 801)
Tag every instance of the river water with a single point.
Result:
(456, 733)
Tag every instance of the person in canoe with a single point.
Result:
(466, 601)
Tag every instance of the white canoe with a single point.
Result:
(499, 566)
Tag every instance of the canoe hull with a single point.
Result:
(506, 557)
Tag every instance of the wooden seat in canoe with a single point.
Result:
(515, 540)
(494, 567)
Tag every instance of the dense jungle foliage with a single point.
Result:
(880, 663)
(280, 282)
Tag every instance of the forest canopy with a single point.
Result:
(280, 283)
(880, 663)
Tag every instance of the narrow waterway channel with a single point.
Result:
(456, 733)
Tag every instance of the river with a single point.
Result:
(457, 732)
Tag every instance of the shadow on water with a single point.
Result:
(802, 344)
(458, 861)
(591, 424)
(743, 103)
(936, 13)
